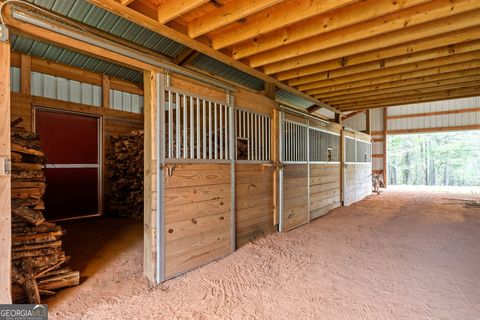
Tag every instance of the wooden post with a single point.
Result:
(385, 131)
(25, 73)
(105, 91)
(5, 179)
(150, 176)
(275, 156)
(368, 129)
(338, 118)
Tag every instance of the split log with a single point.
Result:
(32, 216)
(36, 238)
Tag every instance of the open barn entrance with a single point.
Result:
(442, 159)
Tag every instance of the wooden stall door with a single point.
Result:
(254, 202)
(71, 145)
(325, 187)
(350, 194)
(198, 226)
(295, 196)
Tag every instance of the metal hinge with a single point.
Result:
(170, 167)
(3, 33)
(5, 166)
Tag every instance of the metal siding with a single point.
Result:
(15, 79)
(434, 121)
(293, 99)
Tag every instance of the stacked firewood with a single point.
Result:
(37, 256)
(125, 173)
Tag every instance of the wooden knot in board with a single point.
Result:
(194, 220)
(170, 230)
(221, 218)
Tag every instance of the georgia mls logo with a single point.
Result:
(23, 312)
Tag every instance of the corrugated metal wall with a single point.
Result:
(44, 85)
(413, 122)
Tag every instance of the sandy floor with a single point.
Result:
(400, 255)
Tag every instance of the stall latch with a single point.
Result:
(5, 166)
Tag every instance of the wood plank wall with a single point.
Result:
(295, 196)
(254, 193)
(325, 187)
(197, 216)
(254, 202)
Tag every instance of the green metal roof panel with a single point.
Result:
(84, 12)
(227, 72)
(54, 53)
(293, 99)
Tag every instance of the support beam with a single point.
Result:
(151, 213)
(385, 130)
(416, 86)
(105, 91)
(5, 179)
(229, 13)
(287, 14)
(404, 26)
(412, 68)
(450, 39)
(403, 93)
(171, 9)
(396, 77)
(423, 31)
(270, 90)
(322, 24)
(390, 63)
(368, 123)
(459, 93)
(338, 118)
(25, 73)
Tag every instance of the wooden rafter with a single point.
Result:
(437, 27)
(394, 22)
(417, 85)
(412, 67)
(398, 85)
(171, 9)
(447, 39)
(229, 13)
(289, 13)
(390, 78)
(389, 63)
(436, 96)
(322, 24)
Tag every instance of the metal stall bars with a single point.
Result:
(197, 143)
(252, 132)
(294, 186)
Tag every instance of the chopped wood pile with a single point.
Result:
(37, 256)
(125, 172)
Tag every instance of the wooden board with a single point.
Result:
(254, 202)
(5, 181)
(325, 188)
(358, 183)
(295, 196)
(197, 216)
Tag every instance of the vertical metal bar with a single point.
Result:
(185, 128)
(197, 125)
(244, 133)
(307, 130)
(221, 130)
(209, 130)
(262, 137)
(170, 125)
(204, 125)
(215, 129)
(232, 169)
(192, 131)
(177, 125)
(227, 144)
(247, 116)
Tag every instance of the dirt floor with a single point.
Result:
(405, 254)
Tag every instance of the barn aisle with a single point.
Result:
(400, 255)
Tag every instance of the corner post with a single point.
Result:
(5, 177)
